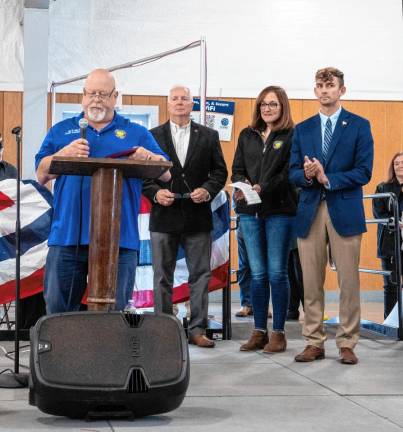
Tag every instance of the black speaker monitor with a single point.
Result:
(107, 364)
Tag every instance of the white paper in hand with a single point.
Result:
(251, 196)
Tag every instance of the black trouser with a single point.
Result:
(197, 249)
(32, 308)
(389, 285)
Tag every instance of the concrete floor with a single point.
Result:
(235, 391)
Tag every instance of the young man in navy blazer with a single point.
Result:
(331, 159)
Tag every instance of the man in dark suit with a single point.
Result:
(331, 159)
(181, 213)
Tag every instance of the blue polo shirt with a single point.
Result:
(119, 135)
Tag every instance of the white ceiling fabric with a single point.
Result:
(250, 44)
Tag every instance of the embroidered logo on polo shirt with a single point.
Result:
(277, 144)
(119, 133)
(72, 131)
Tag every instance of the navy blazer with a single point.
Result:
(348, 167)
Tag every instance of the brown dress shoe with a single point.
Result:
(201, 341)
(257, 341)
(244, 312)
(310, 353)
(347, 356)
(277, 343)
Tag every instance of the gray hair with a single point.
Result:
(176, 86)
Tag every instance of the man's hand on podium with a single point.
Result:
(143, 154)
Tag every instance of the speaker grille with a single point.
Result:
(137, 382)
(102, 349)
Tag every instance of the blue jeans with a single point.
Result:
(244, 276)
(268, 244)
(66, 273)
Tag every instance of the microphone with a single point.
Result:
(17, 130)
(83, 123)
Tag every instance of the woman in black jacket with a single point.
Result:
(261, 159)
(386, 243)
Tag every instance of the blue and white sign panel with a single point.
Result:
(219, 116)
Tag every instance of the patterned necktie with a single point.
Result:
(327, 139)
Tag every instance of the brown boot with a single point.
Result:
(277, 343)
(310, 353)
(257, 341)
(347, 356)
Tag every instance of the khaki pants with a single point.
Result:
(346, 255)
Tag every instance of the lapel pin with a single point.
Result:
(344, 123)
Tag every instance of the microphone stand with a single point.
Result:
(16, 379)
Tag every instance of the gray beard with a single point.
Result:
(97, 116)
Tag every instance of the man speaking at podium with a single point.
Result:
(107, 133)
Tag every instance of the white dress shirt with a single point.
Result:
(180, 138)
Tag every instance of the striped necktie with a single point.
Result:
(327, 139)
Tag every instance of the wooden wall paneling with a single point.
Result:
(140, 100)
(68, 98)
(309, 108)
(161, 102)
(126, 100)
(242, 118)
(296, 110)
(393, 128)
(12, 117)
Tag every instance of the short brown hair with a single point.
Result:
(284, 121)
(391, 171)
(326, 74)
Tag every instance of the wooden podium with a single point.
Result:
(106, 202)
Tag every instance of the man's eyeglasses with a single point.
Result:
(272, 105)
(100, 95)
(185, 195)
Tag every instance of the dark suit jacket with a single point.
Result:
(382, 209)
(348, 167)
(204, 167)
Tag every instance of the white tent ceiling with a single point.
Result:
(250, 44)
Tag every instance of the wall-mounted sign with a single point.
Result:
(219, 116)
